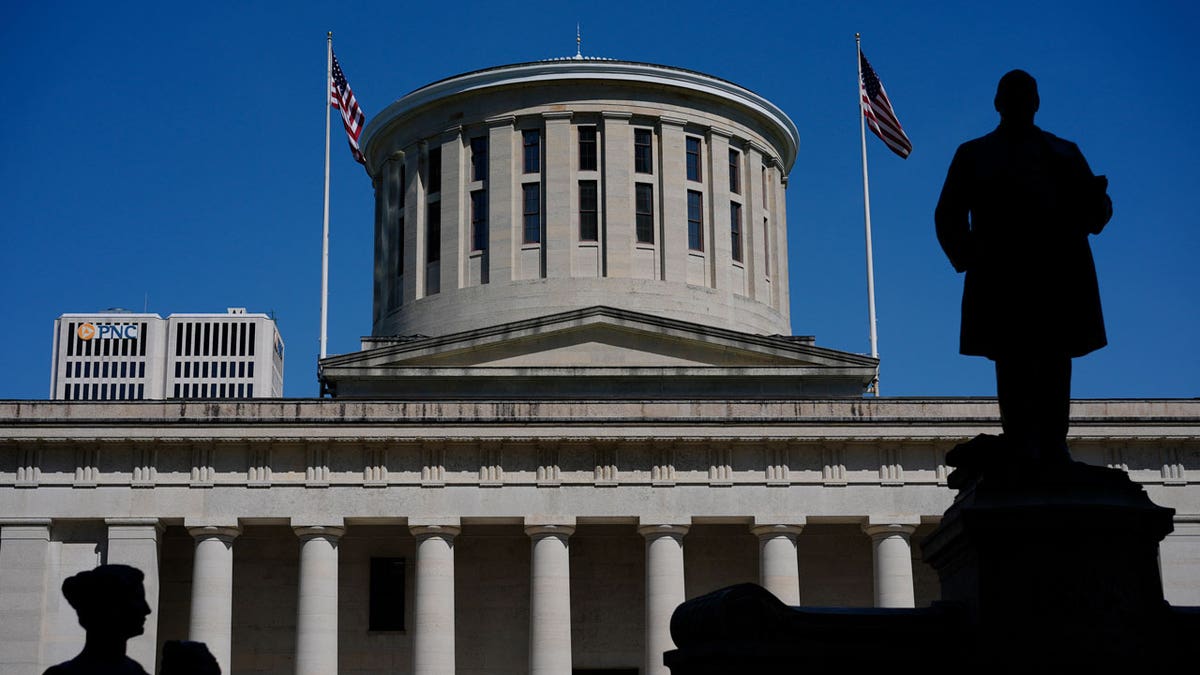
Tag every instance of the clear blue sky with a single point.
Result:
(174, 152)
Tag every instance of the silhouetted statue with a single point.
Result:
(111, 604)
(184, 657)
(1015, 215)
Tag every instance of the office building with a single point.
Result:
(124, 356)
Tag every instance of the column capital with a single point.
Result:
(789, 530)
(443, 531)
(557, 115)
(305, 532)
(672, 121)
(225, 533)
(875, 530)
(547, 530)
(134, 528)
(501, 121)
(654, 531)
(616, 115)
(12, 529)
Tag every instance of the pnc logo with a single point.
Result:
(88, 331)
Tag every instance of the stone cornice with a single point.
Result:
(543, 72)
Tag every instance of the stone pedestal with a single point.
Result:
(1056, 566)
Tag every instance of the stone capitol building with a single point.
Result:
(581, 403)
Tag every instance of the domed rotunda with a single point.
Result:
(595, 214)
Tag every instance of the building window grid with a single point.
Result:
(735, 172)
(589, 221)
(479, 220)
(531, 141)
(735, 230)
(433, 173)
(692, 159)
(643, 151)
(531, 211)
(479, 158)
(766, 246)
(587, 149)
(644, 212)
(695, 217)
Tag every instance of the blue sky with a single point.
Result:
(171, 155)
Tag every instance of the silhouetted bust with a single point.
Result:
(111, 604)
(184, 657)
(1014, 215)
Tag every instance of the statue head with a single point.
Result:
(109, 600)
(1017, 97)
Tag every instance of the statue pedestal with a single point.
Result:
(1056, 566)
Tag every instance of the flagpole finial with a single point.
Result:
(857, 37)
(329, 35)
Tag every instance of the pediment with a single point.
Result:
(597, 339)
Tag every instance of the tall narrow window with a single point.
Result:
(479, 221)
(764, 185)
(479, 158)
(531, 139)
(693, 159)
(587, 148)
(386, 601)
(589, 223)
(735, 230)
(695, 215)
(433, 233)
(735, 172)
(643, 154)
(531, 201)
(434, 174)
(766, 247)
(644, 211)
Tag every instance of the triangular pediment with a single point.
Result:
(596, 344)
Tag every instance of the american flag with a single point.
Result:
(877, 110)
(342, 98)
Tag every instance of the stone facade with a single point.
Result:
(534, 534)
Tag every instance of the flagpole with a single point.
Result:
(862, 124)
(325, 229)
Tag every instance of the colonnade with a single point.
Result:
(24, 549)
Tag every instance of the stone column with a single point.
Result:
(24, 550)
(317, 605)
(672, 195)
(550, 600)
(211, 621)
(135, 542)
(433, 611)
(557, 182)
(504, 196)
(618, 217)
(664, 590)
(893, 563)
(778, 564)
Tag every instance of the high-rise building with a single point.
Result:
(118, 355)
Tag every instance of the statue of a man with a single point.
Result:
(1015, 215)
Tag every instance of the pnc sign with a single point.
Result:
(105, 331)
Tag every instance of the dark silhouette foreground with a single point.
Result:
(1045, 565)
(1014, 215)
(111, 604)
